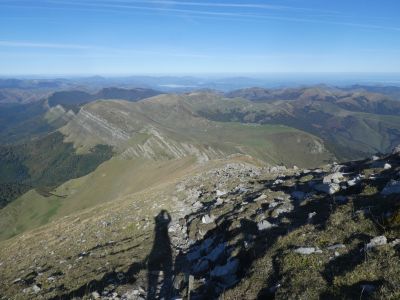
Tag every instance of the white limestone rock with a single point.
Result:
(207, 219)
(376, 241)
(263, 225)
(336, 177)
(220, 193)
(307, 250)
(327, 188)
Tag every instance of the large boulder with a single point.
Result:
(207, 219)
(336, 177)
(263, 225)
(327, 188)
(376, 241)
(355, 180)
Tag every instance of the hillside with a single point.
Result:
(166, 126)
(162, 132)
(25, 119)
(359, 100)
(69, 99)
(391, 91)
(237, 229)
(352, 125)
(44, 164)
(305, 131)
(226, 196)
(20, 123)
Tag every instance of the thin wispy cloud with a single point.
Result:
(126, 6)
(206, 4)
(156, 9)
(169, 6)
(20, 44)
(210, 13)
(96, 51)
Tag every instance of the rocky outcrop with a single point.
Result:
(233, 231)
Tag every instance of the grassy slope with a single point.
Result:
(272, 144)
(113, 179)
(28, 211)
(82, 254)
(118, 177)
(347, 134)
(175, 118)
(119, 246)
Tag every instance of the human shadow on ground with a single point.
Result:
(158, 262)
(159, 266)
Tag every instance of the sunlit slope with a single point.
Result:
(352, 127)
(154, 141)
(167, 126)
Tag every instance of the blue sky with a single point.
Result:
(120, 37)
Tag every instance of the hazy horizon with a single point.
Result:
(220, 81)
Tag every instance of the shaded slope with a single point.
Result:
(75, 98)
(22, 122)
(44, 164)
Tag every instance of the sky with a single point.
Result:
(130, 37)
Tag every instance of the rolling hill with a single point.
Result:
(50, 111)
(307, 129)
(353, 125)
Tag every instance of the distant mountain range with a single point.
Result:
(23, 90)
